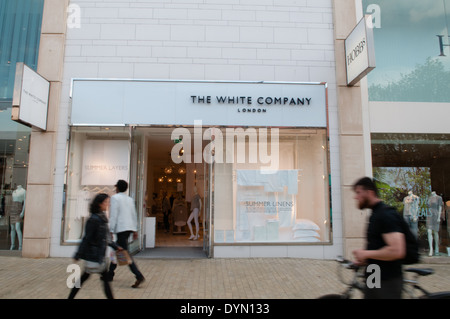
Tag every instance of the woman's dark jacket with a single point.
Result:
(95, 240)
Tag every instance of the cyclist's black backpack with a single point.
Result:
(412, 245)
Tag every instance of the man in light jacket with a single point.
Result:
(123, 223)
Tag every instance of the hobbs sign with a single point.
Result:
(359, 51)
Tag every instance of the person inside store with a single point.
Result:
(386, 244)
(93, 245)
(196, 206)
(167, 209)
(123, 223)
(154, 203)
(2, 205)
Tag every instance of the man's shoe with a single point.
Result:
(138, 282)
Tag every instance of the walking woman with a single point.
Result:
(93, 245)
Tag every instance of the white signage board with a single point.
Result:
(359, 51)
(30, 98)
(105, 162)
(148, 102)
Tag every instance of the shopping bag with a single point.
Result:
(112, 255)
(123, 257)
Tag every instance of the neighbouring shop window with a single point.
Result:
(413, 175)
(289, 204)
(14, 149)
(412, 50)
(97, 158)
(20, 30)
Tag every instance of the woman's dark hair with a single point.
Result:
(95, 205)
(368, 184)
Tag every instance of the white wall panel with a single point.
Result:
(409, 117)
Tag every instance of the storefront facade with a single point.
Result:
(21, 30)
(137, 81)
(262, 148)
(176, 69)
(410, 84)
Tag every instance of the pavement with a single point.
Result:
(192, 278)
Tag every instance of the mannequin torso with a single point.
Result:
(435, 204)
(18, 195)
(411, 205)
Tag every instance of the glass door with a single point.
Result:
(136, 184)
(209, 208)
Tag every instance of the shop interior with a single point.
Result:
(170, 191)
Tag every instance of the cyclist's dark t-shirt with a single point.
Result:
(384, 219)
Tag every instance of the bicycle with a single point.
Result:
(411, 287)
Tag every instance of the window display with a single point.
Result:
(250, 203)
(16, 214)
(410, 211)
(413, 175)
(14, 147)
(98, 158)
(20, 28)
(288, 205)
(105, 162)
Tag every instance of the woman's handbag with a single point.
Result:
(123, 257)
(92, 267)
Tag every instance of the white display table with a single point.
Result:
(150, 228)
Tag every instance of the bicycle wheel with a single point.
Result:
(438, 295)
(333, 296)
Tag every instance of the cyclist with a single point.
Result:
(386, 244)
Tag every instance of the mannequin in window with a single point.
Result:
(410, 211)
(196, 206)
(166, 208)
(16, 213)
(435, 205)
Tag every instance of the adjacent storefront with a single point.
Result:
(413, 174)
(20, 28)
(408, 104)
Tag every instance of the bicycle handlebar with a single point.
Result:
(347, 263)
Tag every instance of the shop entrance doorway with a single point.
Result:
(171, 192)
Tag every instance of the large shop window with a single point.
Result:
(289, 204)
(97, 158)
(14, 148)
(20, 30)
(413, 174)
